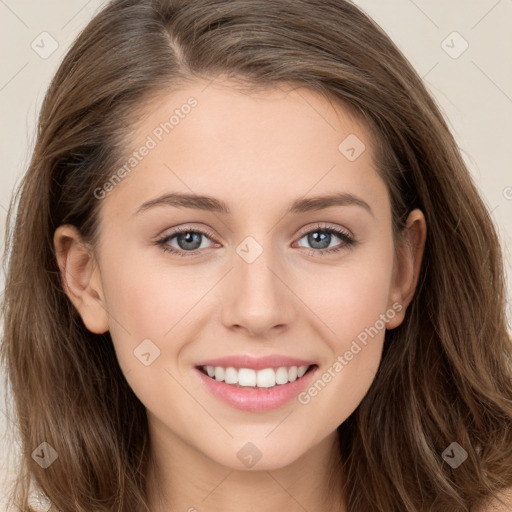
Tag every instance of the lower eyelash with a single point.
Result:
(343, 235)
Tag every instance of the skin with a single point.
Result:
(257, 152)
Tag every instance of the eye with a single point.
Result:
(320, 239)
(188, 241)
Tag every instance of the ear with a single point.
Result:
(408, 257)
(81, 278)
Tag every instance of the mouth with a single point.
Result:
(256, 379)
(255, 389)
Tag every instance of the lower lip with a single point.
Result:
(257, 399)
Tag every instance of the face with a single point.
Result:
(290, 267)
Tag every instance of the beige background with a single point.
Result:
(474, 90)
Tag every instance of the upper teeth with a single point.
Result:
(266, 378)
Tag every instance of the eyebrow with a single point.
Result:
(212, 204)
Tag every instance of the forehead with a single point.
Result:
(217, 139)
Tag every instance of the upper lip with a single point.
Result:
(256, 363)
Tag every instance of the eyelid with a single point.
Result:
(171, 232)
(325, 226)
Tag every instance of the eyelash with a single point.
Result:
(347, 239)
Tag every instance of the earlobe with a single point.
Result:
(409, 255)
(80, 278)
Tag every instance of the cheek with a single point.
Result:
(148, 309)
(137, 306)
(152, 301)
(352, 305)
(350, 297)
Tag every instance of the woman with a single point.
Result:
(249, 266)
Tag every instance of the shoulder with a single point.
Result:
(504, 504)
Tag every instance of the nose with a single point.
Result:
(257, 297)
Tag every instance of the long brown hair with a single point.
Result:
(445, 374)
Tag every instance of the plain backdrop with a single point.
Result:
(461, 49)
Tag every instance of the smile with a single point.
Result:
(255, 384)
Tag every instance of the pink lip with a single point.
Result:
(256, 363)
(255, 399)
